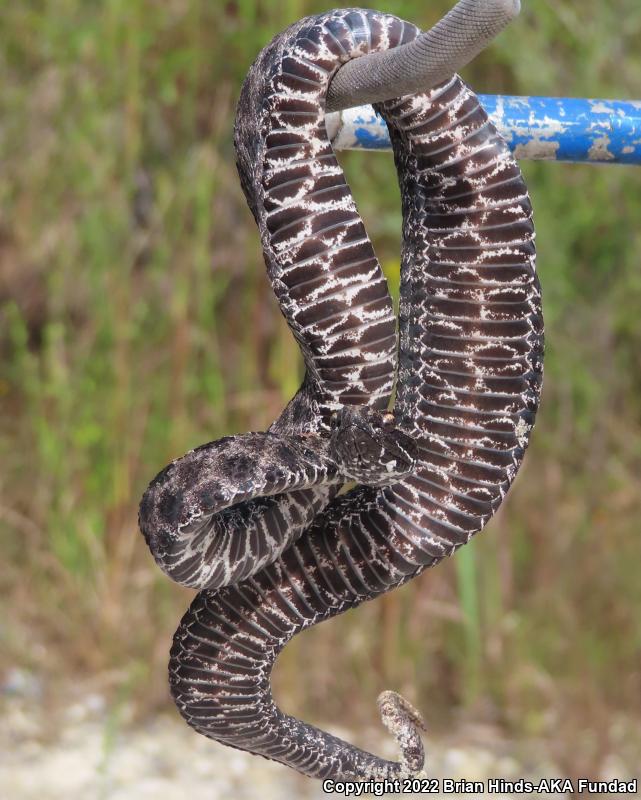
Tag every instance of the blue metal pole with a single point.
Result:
(555, 128)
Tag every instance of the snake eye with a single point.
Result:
(388, 420)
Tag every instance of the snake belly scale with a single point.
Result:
(254, 522)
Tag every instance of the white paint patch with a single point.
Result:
(599, 107)
(537, 149)
(599, 150)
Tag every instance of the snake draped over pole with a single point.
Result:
(254, 522)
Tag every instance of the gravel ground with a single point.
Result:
(90, 756)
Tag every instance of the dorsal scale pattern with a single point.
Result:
(320, 260)
(469, 377)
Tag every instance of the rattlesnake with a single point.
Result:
(254, 521)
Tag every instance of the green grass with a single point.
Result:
(136, 322)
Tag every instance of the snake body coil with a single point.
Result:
(240, 518)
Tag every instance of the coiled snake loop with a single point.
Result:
(254, 521)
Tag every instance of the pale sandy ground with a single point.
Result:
(88, 756)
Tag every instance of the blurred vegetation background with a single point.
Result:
(136, 322)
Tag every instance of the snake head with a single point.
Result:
(368, 447)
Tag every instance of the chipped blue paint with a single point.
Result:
(370, 138)
(559, 128)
